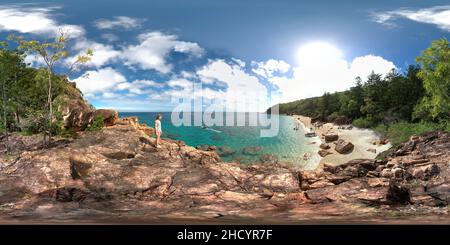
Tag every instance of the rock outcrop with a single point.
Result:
(415, 173)
(77, 113)
(117, 174)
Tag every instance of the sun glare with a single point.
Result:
(318, 52)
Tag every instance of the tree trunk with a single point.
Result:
(50, 107)
(5, 124)
(17, 116)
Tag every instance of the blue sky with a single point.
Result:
(148, 54)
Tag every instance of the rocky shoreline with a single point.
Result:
(116, 175)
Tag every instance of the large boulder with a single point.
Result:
(331, 137)
(76, 114)
(110, 117)
(343, 146)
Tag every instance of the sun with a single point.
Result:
(318, 53)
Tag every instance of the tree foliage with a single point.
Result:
(419, 95)
(51, 53)
(435, 73)
(28, 93)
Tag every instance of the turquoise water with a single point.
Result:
(289, 146)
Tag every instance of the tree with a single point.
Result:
(353, 100)
(435, 72)
(51, 53)
(375, 98)
(10, 62)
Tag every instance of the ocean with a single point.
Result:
(244, 144)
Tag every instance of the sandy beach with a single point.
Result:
(365, 141)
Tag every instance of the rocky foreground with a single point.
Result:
(117, 176)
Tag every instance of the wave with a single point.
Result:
(214, 130)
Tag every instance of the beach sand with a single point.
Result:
(362, 139)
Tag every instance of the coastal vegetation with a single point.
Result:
(29, 93)
(397, 105)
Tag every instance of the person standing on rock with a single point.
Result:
(158, 129)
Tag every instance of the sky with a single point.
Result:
(151, 55)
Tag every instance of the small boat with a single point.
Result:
(310, 134)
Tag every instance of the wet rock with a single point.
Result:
(251, 150)
(212, 148)
(217, 137)
(324, 146)
(306, 156)
(225, 151)
(203, 147)
(343, 147)
(268, 158)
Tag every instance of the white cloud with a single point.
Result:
(34, 20)
(245, 90)
(240, 62)
(268, 68)
(138, 87)
(439, 16)
(110, 37)
(118, 22)
(153, 48)
(315, 78)
(364, 65)
(102, 54)
(99, 81)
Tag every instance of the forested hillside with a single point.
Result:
(397, 105)
(33, 97)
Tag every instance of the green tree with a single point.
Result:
(375, 98)
(353, 100)
(10, 63)
(435, 72)
(52, 53)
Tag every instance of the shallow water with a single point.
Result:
(289, 145)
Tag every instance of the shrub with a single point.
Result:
(97, 124)
(402, 131)
(362, 123)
